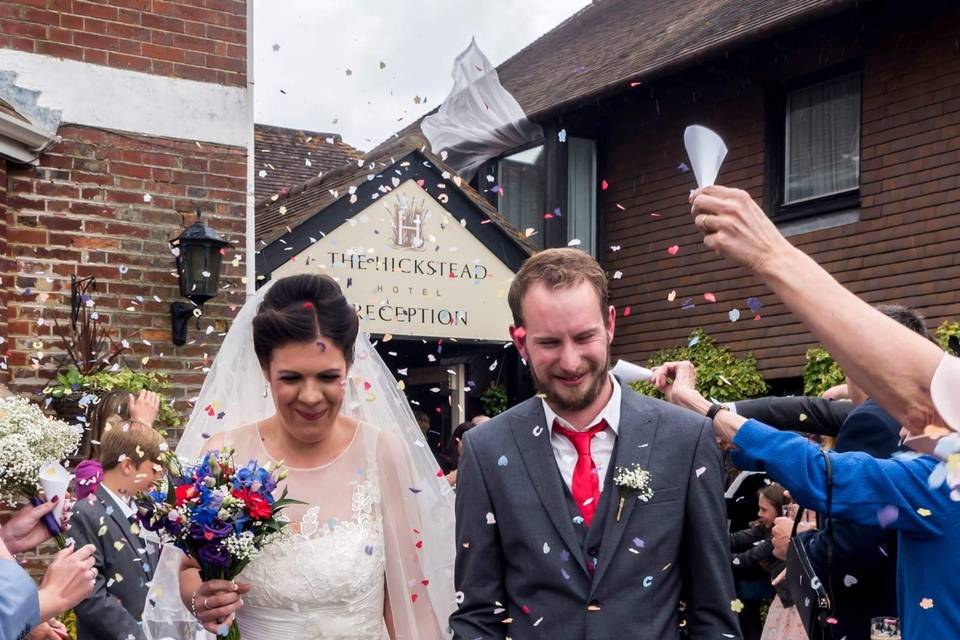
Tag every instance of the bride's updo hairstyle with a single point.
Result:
(304, 308)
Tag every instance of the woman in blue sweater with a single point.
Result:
(898, 493)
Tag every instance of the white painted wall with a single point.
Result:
(100, 96)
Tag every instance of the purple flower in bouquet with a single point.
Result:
(214, 554)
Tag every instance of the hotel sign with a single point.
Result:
(411, 268)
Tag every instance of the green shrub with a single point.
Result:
(820, 372)
(720, 374)
(945, 331)
(494, 399)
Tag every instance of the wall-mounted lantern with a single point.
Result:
(199, 251)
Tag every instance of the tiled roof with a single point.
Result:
(288, 157)
(277, 216)
(610, 43)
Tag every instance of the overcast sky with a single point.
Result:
(317, 63)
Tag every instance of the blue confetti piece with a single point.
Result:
(694, 341)
(637, 542)
(109, 510)
(562, 135)
(754, 304)
(564, 555)
(647, 581)
(502, 461)
(683, 167)
(566, 576)
(415, 491)
(688, 304)
(368, 550)
(578, 520)
(734, 315)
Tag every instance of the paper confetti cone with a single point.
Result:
(629, 372)
(706, 151)
(54, 479)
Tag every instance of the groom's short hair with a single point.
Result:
(557, 269)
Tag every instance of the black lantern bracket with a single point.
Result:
(199, 251)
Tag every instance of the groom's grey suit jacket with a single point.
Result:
(522, 557)
(113, 610)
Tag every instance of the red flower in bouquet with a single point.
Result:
(257, 507)
(185, 492)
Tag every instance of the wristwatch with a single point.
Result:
(715, 409)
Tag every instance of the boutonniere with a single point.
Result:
(632, 481)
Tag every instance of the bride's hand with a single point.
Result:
(217, 601)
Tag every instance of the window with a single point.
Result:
(582, 193)
(816, 147)
(521, 178)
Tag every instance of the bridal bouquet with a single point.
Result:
(31, 446)
(217, 513)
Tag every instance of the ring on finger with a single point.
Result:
(702, 222)
(205, 605)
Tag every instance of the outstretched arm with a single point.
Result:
(479, 570)
(866, 490)
(895, 369)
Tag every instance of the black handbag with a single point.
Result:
(810, 595)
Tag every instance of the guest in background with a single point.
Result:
(130, 456)
(141, 409)
(450, 458)
(753, 549)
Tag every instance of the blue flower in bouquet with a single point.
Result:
(244, 477)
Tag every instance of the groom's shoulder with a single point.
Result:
(677, 417)
(500, 426)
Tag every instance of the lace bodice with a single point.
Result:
(324, 578)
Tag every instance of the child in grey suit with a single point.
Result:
(125, 561)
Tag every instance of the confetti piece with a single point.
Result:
(709, 297)
(803, 417)
(614, 248)
(147, 197)
(562, 135)
(672, 296)
(491, 519)
(849, 581)
(888, 515)
(647, 582)
(924, 512)
(683, 169)
(736, 606)
(688, 304)
(502, 461)
(701, 471)
(637, 542)
(604, 185)
(734, 315)
(546, 548)
(754, 304)
(926, 603)
(626, 312)
(694, 341)
(673, 250)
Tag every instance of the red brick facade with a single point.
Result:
(6, 274)
(83, 212)
(204, 41)
(902, 250)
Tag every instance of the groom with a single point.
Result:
(549, 544)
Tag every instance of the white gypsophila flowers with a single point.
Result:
(28, 439)
(241, 546)
(635, 480)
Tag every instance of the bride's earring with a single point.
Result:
(266, 389)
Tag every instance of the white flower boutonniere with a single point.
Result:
(632, 481)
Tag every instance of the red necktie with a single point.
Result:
(586, 483)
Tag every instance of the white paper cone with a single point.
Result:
(706, 151)
(54, 479)
(943, 390)
(629, 372)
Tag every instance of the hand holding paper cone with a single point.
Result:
(629, 372)
(54, 479)
(706, 151)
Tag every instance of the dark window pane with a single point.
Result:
(522, 180)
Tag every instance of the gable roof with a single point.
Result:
(281, 154)
(324, 203)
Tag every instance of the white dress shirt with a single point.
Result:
(601, 446)
(126, 504)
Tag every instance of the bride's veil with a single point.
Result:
(235, 393)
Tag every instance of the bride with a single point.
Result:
(369, 554)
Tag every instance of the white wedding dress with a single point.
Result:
(370, 553)
(326, 577)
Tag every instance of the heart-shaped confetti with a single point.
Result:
(673, 249)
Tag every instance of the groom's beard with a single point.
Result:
(566, 399)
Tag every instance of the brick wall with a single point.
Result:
(203, 41)
(902, 250)
(83, 211)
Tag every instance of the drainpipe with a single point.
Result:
(251, 241)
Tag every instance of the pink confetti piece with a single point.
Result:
(673, 250)
(709, 297)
